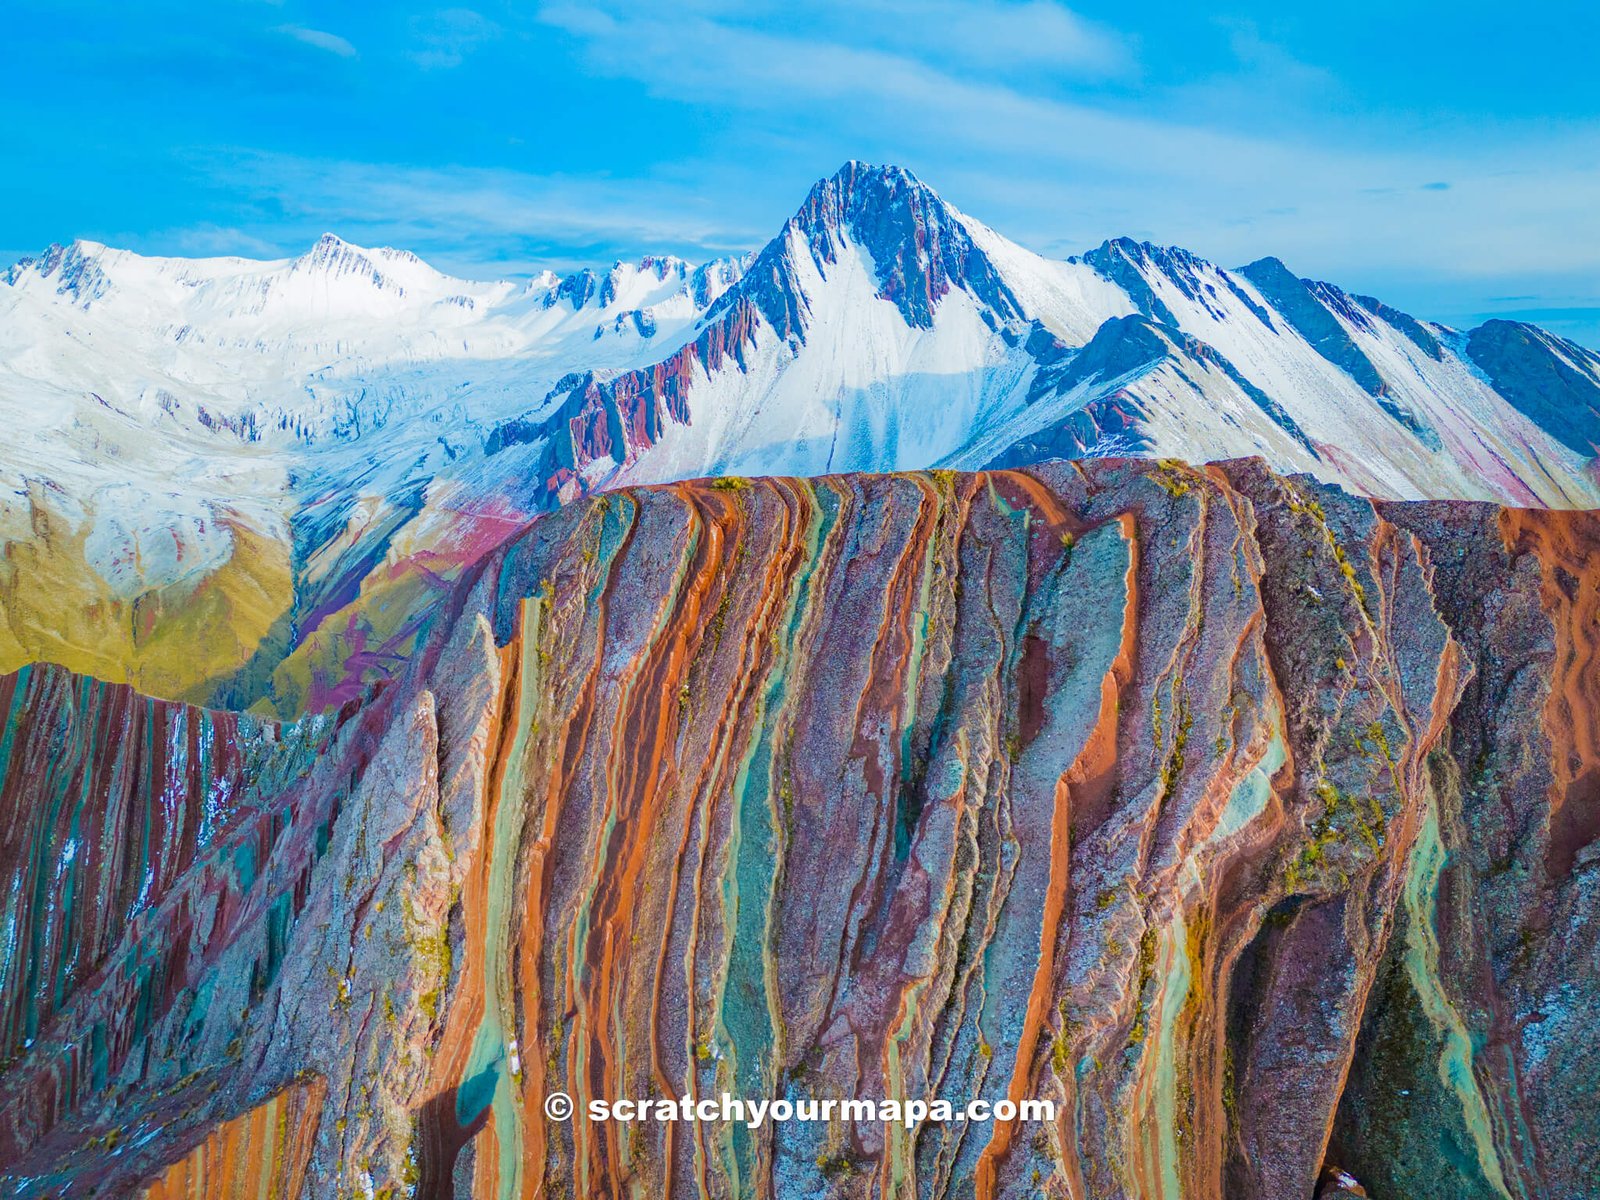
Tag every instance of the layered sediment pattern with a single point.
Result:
(260, 1155)
(1252, 823)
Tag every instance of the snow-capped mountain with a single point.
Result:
(297, 438)
(884, 329)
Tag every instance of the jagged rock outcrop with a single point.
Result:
(1252, 823)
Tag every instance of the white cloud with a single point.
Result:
(320, 38)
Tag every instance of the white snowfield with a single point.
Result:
(157, 405)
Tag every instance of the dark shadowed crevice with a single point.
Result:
(1398, 1129)
(1249, 990)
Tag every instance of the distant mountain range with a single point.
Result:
(240, 482)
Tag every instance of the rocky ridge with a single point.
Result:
(1252, 822)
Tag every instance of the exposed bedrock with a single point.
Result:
(1251, 823)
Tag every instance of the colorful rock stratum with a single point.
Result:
(1252, 823)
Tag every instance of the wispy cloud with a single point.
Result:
(696, 127)
(1062, 171)
(477, 220)
(205, 240)
(319, 38)
(1002, 34)
(444, 39)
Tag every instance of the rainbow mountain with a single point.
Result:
(245, 483)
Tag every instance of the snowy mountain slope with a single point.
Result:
(1255, 362)
(302, 451)
(879, 330)
(156, 408)
(1390, 408)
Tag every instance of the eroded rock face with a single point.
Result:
(1252, 823)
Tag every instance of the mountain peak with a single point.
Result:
(332, 253)
(75, 268)
(858, 189)
(878, 174)
(384, 267)
(1270, 268)
(918, 245)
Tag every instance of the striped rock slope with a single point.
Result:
(1251, 823)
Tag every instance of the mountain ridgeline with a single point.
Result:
(1250, 823)
(242, 483)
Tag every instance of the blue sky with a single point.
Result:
(1446, 158)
